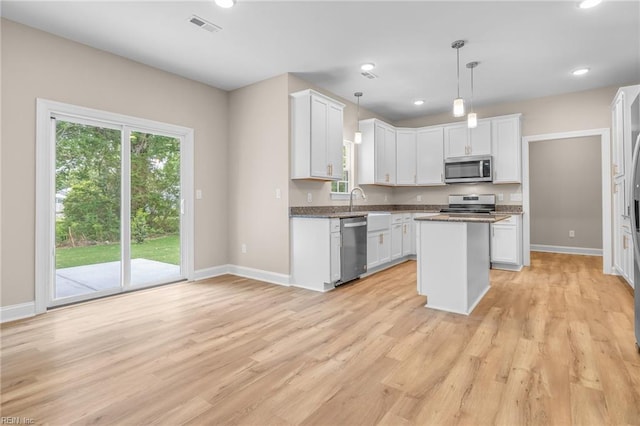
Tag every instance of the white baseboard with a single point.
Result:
(245, 272)
(506, 267)
(216, 271)
(566, 250)
(260, 275)
(16, 312)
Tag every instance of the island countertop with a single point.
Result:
(465, 217)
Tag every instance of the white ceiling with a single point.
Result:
(525, 49)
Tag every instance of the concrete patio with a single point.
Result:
(86, 279)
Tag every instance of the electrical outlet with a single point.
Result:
(572, 233)
(516, 196)
(198, 194)
(419, 197)
(309, 197)
(243, 248)
(386, 198)
(278, 193)
(500, 197)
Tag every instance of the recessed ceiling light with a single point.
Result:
(225, 3)
(588, 4)
(368, 66)
(580, 71)
(418, 102)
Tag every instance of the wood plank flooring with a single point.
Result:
(551, 345)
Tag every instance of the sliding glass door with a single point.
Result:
(118, 209)
(155, 209)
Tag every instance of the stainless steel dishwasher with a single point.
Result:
(353, 250)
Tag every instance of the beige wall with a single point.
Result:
(39, 65)
(565, 178)
(258, 166)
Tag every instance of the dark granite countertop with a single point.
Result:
(464, 217)
(364, 210)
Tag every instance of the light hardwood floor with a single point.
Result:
(552, 345)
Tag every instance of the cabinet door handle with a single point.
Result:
(493, 231)
(624, 242)
(441, 178)
(381, 238)
(615, 188)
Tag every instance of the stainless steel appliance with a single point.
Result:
(635, 207)
(468, 169)
(353, 250)
(471, 204)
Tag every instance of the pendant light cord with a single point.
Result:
(458, 69)
(471, 89)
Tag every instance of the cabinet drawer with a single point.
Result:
(396, 218)
(335, 225)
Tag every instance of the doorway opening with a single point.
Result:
(605, 184)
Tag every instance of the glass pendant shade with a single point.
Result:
(472, 120)
(357, 138)
(458, 107)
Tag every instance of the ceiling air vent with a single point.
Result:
(204, 24)
(369, 75)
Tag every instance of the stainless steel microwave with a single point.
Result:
(468, 169)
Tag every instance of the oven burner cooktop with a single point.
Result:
(468, 211)
(471, 204)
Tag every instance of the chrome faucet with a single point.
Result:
(357, 188)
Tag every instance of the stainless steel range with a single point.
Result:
(471, 204)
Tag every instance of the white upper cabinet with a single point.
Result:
(617, 131)
(480, 138)
(316, 136)
(460, 141)
(456, 140)
(406, 157)
(429, 156)
(506, 149)
(377, 153)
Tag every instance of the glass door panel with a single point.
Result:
(87, 214)
(155, 209)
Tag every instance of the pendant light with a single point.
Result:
(472, 117)
(357, 138)
(458, 103)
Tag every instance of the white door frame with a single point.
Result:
(605, 148)
(45, 185)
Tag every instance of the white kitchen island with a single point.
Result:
(453, 260)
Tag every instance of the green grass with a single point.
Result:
(163, 249)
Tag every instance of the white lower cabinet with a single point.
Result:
(336, 243)
(315, 253)
(396, 236)
(378, 248)
(408, 235)
(627, 255)
(506, 248)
